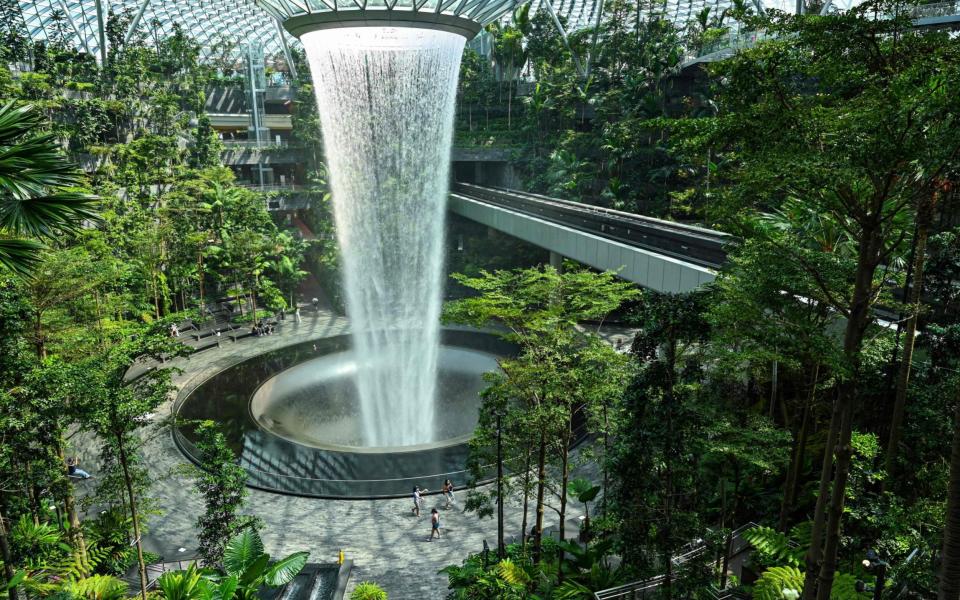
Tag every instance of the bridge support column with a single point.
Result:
(556, 261)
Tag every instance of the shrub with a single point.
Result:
(368, 590)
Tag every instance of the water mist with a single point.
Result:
(386, 98)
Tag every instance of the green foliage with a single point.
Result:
(181, 585)
(367, 590)
(774, 547)
(774, 581)
(35, 195)
(222, 483)
(97, 587)
(245, 560)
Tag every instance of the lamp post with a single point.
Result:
(501, 551)
(872, 561)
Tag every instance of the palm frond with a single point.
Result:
(46, 216)
(31, 160)
(19, 256)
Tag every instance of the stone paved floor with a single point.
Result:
(386, 542)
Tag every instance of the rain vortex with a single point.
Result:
(386, 98)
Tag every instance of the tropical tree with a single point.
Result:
(863, 138)
(222, 483)
(120, 408)
(553, 375)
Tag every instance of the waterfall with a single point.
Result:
(386, 98)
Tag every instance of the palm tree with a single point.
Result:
(35, 196)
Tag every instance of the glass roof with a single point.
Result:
(225, 23)
(211, 23)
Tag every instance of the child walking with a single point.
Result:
(417, 500)
(448, 493)
(434, 524)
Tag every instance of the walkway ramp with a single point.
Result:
(656, 254)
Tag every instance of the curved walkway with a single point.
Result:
(386, 542)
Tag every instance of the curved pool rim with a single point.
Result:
(279, 465)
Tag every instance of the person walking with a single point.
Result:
(296, 315)
(434, 524)
(448, 494)
(417, 500)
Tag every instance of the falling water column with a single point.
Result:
(386, 98)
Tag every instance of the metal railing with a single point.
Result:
(261, 145)
(274, 187)
(937, 9)
(638, 590)
(732, 42)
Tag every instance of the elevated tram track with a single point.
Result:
(687, 243)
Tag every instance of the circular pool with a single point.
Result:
(292, 417)
(315, 403)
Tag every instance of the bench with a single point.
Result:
(199, 335)
(212, 343)
(237, 333)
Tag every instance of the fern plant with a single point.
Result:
(783, 556)
(773, 547)
(775, 581)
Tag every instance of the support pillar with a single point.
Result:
(556, 261)
(102, 32)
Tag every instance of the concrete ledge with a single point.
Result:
(342, 577)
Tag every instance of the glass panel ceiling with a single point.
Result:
(211, 22)
(236, 22)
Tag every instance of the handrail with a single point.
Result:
(636, 589)
(740, 40)
(937, 9)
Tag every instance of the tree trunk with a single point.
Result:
(857, 321)
(7, 555)
(39, 343)
(200, 273)
(565, 478)
(815, 551)
(509, 105)
(949, 588)
(526, 502)
(728, 545)
(606, 453)
(239, 299)
(75, 532)
(128, 481)
(924, 216)
(799, 449)
(832, 545)
(156, 298)
(541, 485)
(667, 530)
(253, 296)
